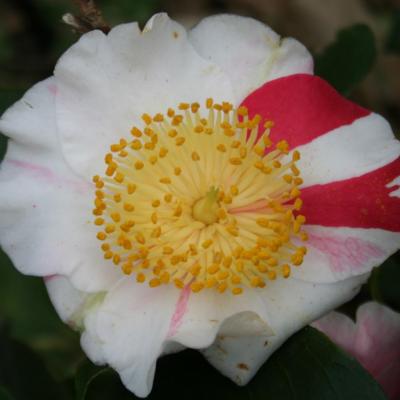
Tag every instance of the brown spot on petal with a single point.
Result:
(175, 35)
(266, 343)
(243, 366)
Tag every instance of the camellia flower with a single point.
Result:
(194, 189)
(373, 339)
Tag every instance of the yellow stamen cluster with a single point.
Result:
(201, 199)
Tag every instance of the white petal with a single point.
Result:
(128, 331)
(107, 82)
(45, 209)
(348, 151)
(291, 304)
(31, 119)
(206, 311)
(67, 300)
(248, 51)
(334, 254)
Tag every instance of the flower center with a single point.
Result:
(206, 208)
(201, 198)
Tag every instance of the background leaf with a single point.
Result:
(309, 366)
(23, 373)
(347, 61)
(86, 373)
(384, 282)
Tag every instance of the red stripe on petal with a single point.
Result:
(303, 107)
(361, 202)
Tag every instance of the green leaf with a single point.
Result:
(347, 61)
(384, 282)
(25, 306)
(393, 40)
(85, 375)
(5, 394)
(308, 366)
(24, 373)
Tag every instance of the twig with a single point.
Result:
(89, 18)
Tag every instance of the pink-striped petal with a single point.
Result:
(361, 202)
(303, 107)
(374, 340)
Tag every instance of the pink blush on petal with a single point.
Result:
(345, 254)
(40, 172)
(180, 310)
(53, 89)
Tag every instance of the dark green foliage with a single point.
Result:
(347, 61)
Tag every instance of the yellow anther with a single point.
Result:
(178, 211)
(194, 107)
(179, 141)
(221, 275)
(232, 230)
(140, 238)
(209, 103)
(176, 120)
(130, 188)
(222, 287)
(276, 164)
(283, 146)
(235, 144)
(286, 270)
(129, 207)
(207, 243)
(170, 112)
(155, 203)
(263, 222)
(298, 204)
(259, 150)
(165, 277)
(168, 250)
(156, 233)
(199, 129)
(295, 192)
(136, 144)
(140, 277)
(101, 236)
(152, 159)
(221, 147)
(177, 171)
(287, 178)
(99, 221)
(110, 228)
(184, 106)
(172, 133)
(196, 286)
(296, 155)
(147, 119)
(165, 180)
(179, 284)
(237, 290)
(235, 161)
(213, 268)
(255, 281)
(158, 118)
(138, 165)
(242, 111)
(168, 197)
(116, 259)
(195, 156)
(154, 218)
(234, 190)
(115, 216)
